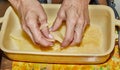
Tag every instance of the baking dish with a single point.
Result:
(96, 47)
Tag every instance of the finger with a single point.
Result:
(43, 22)
(58, 21)
(83, 21)
(46, 33)
(78, 32)
(34, 29)
(69, 32)
(71, 21)
(24, 27)
(87, 19)
(44, 29)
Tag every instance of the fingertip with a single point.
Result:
(72, 44)
(64, 44)
(75, 43)
(50, 36)
(51, 44)
(57, 24)
(50, 29)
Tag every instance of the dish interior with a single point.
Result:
(96, 39)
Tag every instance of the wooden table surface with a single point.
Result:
(5, 63)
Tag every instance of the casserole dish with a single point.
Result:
(96, 47)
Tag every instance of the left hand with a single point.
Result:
(75, 13)
(33, 17)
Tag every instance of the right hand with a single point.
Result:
(32, 17)
(76, 15)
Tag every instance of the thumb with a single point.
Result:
(57, 24)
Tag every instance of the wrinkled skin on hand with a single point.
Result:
(33, 16)
(75, 13)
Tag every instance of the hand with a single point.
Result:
(75, 13)
(32, 17)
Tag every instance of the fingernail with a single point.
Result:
(62, 45)
(51, 44)
(50, 36)
(50, 29)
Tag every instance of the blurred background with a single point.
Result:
(117, 2)
(4, 4)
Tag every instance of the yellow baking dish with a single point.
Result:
(96, 47)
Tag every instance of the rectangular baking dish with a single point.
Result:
(96, 47)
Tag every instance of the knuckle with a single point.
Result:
(37, 41)
(43, 20)
(87, 21)
(68, 40)
(60, 15)
(29, 12)
(29, 23)
(72, 21)
(77, 42)
(81, 21)
(29, 20)
(23, 27)
(28, 15)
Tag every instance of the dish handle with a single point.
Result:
(1, 20)
(117, 23)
